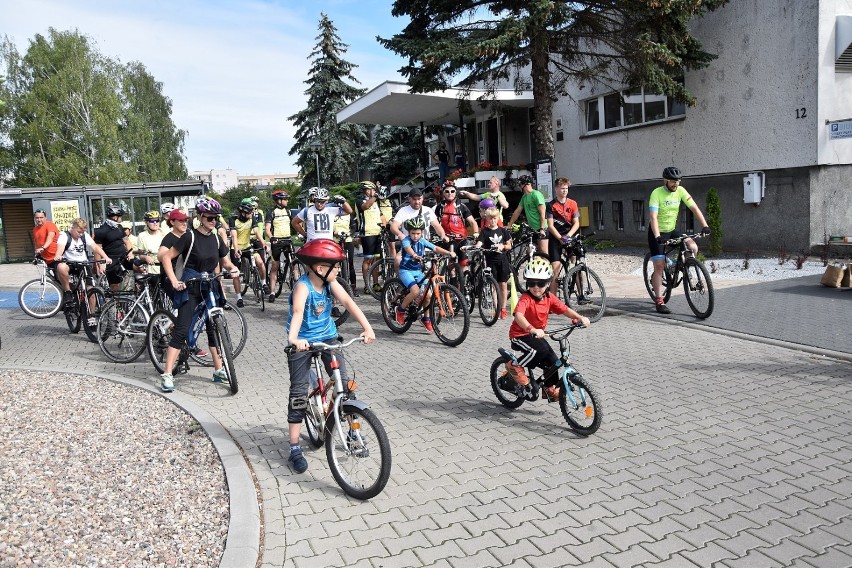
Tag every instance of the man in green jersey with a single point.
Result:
(532, 206)
(664, 206)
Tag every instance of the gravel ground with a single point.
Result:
(94, 473)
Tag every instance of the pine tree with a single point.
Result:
(328, 92)
(545, 44)
(393, 153)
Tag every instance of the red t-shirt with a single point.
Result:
(536, 312)
(563, 214)
(40, 235)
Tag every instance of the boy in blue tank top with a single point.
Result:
(310, 321)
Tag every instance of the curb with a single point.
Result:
(242, 544)
(738, 335)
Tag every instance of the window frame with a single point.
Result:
(607, 123)
(597, 214)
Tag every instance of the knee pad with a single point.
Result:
(298, 402)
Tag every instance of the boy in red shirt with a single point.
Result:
(530, 318)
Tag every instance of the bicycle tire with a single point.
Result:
(467, 289)
(72, 312)
(393, 293)
(226, 352)
(590, 301)
(245, 272)
(90, 320)
(443, 324)
(519, 267)
(237, 330)
(503, 385)
(39, 300)
(698, 288)
(315, 422)
(157, 338)
(122, 330)
(339, 313)
(587, 417)
(379, 272)
(647, 271)
(452, 274)
(489, 300)
(361, 466)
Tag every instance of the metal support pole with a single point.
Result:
(319, 183)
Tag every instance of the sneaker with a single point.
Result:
(220, 376)
(400, 316)
(427, 323)
(271, 298)
(517, 373)
(240, 303)
(265, 288)
(662, 307)
(377, 288)
(68, 299)
(92, 322)
(368, 290)
(552, 393)
(297, 460)
(583, 301)
(199, 352)
(167, 383)
(503, 314)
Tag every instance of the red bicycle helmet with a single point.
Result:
(320, 250)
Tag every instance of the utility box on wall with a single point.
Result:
(753, 187)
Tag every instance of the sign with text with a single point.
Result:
(63, 213)
(544, 178)
(840, 129)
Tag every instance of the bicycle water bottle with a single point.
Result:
(670, 263)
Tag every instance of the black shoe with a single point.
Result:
(662, 308)
(240, 303)
(266, 288)
(271, 298)
(356, 293)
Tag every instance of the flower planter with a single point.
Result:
(466, 182)
(486, 175)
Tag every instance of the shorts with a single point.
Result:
(656, 248)
(501, 270)
(370, 246)
(115, 271)
(279, 246)
(461, 257)
(554, 249)
(411, 277)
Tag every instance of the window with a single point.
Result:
(631, 107)
(597, 213)
(618, 215)
(639, 214)
(688, 221)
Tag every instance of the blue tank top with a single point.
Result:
(317, 323)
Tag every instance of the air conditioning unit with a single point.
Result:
(753, 187)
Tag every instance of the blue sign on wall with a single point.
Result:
(841, 129)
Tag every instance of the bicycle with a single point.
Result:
(162, 322)
(697, 285)
(479, 284)
(41, 298)
(579, 401)
(581, 287)
(289, 268)
(443, 302)
(383, 267)
(523, 250)
(359, 456)
(250, 276)
(86, 299)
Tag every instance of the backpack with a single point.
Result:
(451, 218)
(69, 238)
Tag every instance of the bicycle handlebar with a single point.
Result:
(680, 239)
(205, 277)
(557, 334)
(320, 346)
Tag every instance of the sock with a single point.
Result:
(239, 296)
(295, 446)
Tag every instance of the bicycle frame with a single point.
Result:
(204, 310)
(335, 384)
(433, 280)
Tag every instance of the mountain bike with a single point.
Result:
(383, 267)
(123, 322)
(443, 303)
(41, 298)
(356, 444)
(86, 299)
(289, 267)
(478, 284)
(162, 323)
(678, 268)
(581, 405)
(581, 287)
(523, 250)
(250, 276)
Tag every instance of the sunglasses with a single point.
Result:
(153, 220)
(532, 283)
(208, 218)
(449, 191)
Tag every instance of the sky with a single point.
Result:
(234, 70)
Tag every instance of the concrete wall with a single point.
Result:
(830, 202)
(835, 89)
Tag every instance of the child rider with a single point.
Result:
(413, 247)
(310, 321)
(527, 330)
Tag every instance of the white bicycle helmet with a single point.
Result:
(321, 194)
(539, 269)
(166, 208)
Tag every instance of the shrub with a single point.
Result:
(747, 259)
(783, 256)
(714, 221)
(800, 260)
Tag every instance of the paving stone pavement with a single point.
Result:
(714, 451)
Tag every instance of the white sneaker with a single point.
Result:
(220, 376)
(167, 383)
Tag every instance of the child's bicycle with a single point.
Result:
(356, 444)
(162, 322)
(580, 402)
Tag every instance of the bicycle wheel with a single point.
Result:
(380, 272)
(698, 288)
(40, 300)
(122, 329)
(393, 292)
(585, 413)
(585, 292)
(489, 300)
(245, 272)
(157, 337)
(361, 462)
(314, 421)
(72, 312)
(226, 352)
(450, 318)
(467, 290)
(647, 271)
(503, 385)
(237, 326)
(521, 265)
(338, 312)
(92, 311)
(452, 274)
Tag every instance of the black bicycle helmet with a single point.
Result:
(526, 179)
(114, 210)
(246, 208)
(672, 173)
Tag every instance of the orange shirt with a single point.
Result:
(40, 235)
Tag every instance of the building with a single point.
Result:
(772, 131)
(222, 180)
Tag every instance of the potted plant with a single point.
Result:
(484, 171)
(461, 179)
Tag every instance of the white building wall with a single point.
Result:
(835, 89)
(748, 102)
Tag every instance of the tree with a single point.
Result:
(714, 221)
(631, 42)
(328, 92)
(394, 153)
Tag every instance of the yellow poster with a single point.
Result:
(63, 213)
